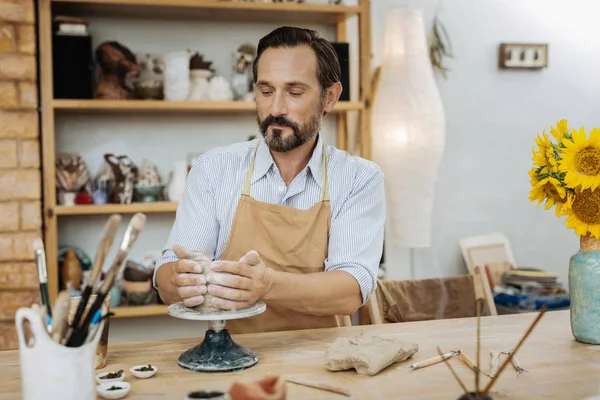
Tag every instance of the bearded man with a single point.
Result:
(284, 219)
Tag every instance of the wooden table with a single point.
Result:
(558, 367)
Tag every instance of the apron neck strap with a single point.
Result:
(325, 183)
(246, 190)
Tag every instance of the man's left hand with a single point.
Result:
(238, 284)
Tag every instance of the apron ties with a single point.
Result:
(288, 240)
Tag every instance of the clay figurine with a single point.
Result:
(125, 175)
(241, 80)
(117, 64)
(200, 72)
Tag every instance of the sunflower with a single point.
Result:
(561, 131)
(549, 189)
(581, 159)
(540, 156)
(584, 213)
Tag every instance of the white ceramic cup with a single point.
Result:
(50, 370)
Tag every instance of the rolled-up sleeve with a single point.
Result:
(196, 226)
(356, 233)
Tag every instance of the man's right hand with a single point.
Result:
(183, 280)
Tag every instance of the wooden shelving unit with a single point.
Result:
(160, 106)
(194, 10)
(94, 209)
(141, 311)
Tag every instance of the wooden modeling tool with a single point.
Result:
(515, 362)
(484, 394)
(495, 360)
(136, 224)
(110, 230)
(61, 312)
(318, 385)
(512, 353)
(435, 360)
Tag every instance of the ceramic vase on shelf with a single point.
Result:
(177, 76)
(177, 184)
(584, 291)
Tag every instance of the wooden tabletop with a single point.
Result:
(558, 366)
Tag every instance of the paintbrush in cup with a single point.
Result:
(40, 260)
(131, 234)
(61, 313)
(106, 239)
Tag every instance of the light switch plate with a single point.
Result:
(523, 55)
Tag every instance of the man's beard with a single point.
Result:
(300, 133)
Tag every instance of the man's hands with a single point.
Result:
(183, 280)
(238, 284)
(231, 284)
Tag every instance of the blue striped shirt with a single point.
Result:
(214, 184)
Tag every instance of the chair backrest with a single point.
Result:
(432, 298)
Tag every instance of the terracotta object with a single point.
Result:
(117, 64)
(71, 270)
(267, 388)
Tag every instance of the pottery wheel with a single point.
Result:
(217, 352)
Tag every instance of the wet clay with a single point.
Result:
(367, 354)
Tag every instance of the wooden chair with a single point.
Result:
(433, 298)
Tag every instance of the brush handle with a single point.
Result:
(79, 334)
(81, 307)
(46, 298)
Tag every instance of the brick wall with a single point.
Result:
(20, 183)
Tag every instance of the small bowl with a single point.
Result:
(100, 381)
(103, 390)
(143, 374)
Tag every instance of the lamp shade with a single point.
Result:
(408, 128)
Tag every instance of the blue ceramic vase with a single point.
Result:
(584, 291)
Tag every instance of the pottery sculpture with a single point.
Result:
(117, 64)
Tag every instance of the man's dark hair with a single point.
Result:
(328, 65)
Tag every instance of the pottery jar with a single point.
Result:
(584, 289)
(50, 370)
(177, 185)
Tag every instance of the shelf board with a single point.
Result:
(139, 311)
(208, 10)
(92, 209)
(154, 106)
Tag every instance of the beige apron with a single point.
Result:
(286, 239)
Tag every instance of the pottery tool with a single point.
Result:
(318, 385)
(469, 363)
(136, 224)
(40, 260)
(435, 360)
(61, 311)
(512, 353)
(515, 362)
(445, 360)
(494, 362)
(106, 239)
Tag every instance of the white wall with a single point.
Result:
(492, 119)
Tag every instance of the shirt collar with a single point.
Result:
(264, 161)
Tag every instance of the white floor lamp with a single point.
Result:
(408, 128)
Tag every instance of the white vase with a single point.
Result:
(408, 128)
(199, 87)
(178, 179)
(177, 76)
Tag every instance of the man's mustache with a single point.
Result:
(279, 120)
